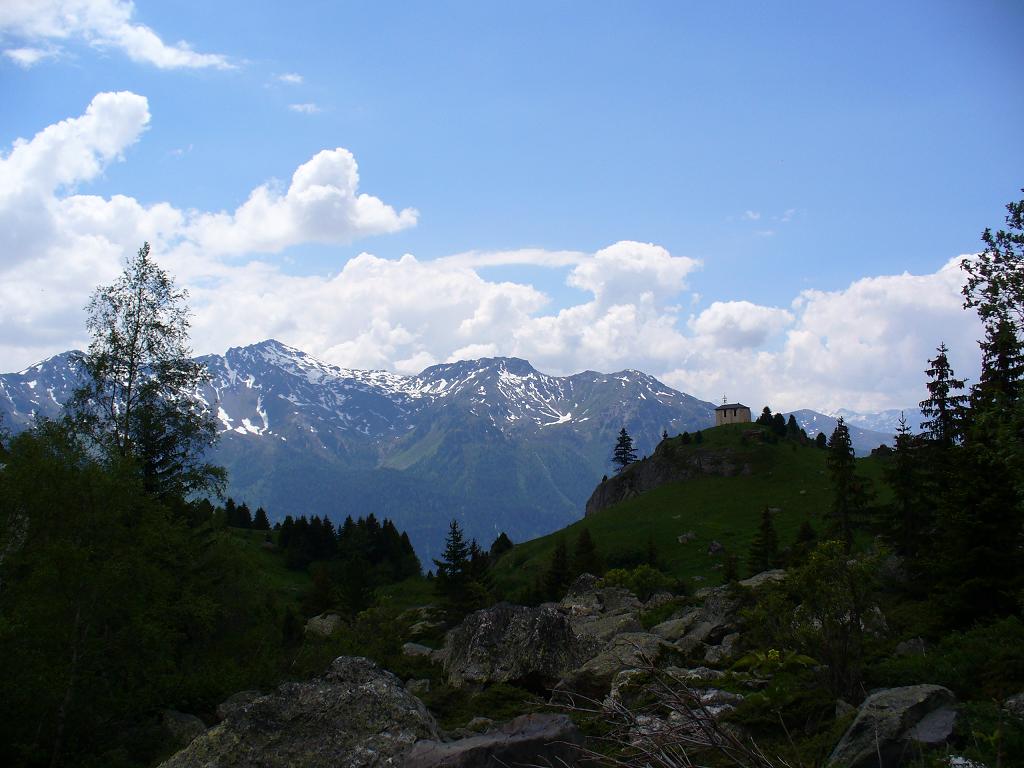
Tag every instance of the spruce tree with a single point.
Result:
(764, 550)
(260, 521)
(585, 557)
(910, 512)
(944, 408)
(500, 546)
(848, 490)
(624, 453)
(557, 576)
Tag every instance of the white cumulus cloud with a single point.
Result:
(740, 324)
(862, 347)
(100, 23)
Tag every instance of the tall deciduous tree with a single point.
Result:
(138, 400)
(995, 278)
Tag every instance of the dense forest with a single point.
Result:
(125, 592)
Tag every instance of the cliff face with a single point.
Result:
(668, 464)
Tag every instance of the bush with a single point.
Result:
(982, 663)
(643, 581)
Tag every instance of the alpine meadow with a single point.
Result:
(680, 424)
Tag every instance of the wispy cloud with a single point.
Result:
(180, 151)
(290, 78)
(101, 24)
(751, 215)
(28, 57)
(306, 109)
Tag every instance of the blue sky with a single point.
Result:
(794, 150)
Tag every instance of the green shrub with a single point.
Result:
(982, 663)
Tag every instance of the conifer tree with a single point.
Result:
(944, 408)
(260, 521)
(557, 576)
(764, 550)
(500, 546)
(698, 437)
(848, 490)
(624, 453)
(585, 557)
(903, 475)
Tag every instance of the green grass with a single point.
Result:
(290, 585)
(785, 475)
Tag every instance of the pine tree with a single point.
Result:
(698, 437)
(453, 581)
(944, 408)
(779, 425)
(557, 576)
(500, 546)
(848, 490)
(585, 557)
(765, 419)
(260, 521)
(664, 434)
(820, 441)
(910, 516)
(1002, 368)
(764, 550)
(792, 428)
(624, 453)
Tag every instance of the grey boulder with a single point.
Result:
(896, 724)
(506, 643)
(355, 715)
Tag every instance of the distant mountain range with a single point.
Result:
(491, 442)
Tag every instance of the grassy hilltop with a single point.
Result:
(785, 475)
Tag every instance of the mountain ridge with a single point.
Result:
(492, 442)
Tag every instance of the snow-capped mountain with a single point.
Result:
(887, 421)
(493, 441)
(863, 440)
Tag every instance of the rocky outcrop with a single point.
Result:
(601, 613)
(236, 701)
(181, 727)
(895, 725)
(628, 651)
(324, 625)
(669, 464)
(355, 715)
(507, 643)
(538, 739)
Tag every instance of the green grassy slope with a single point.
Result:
(785, 475)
